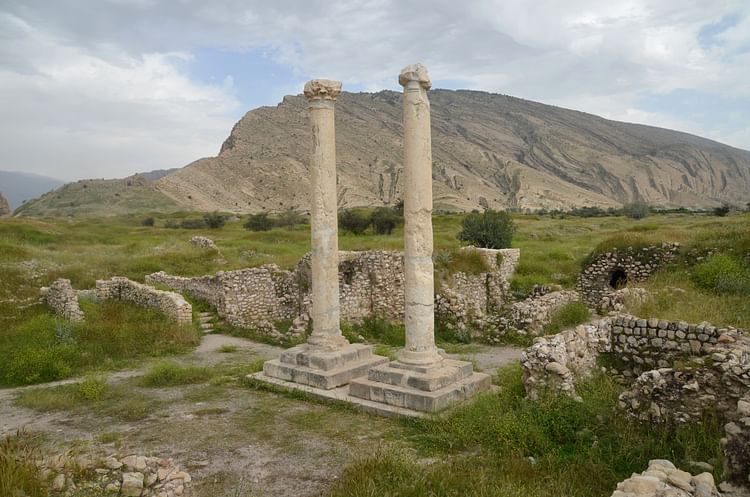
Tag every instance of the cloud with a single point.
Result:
(119, 66)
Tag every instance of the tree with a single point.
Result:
(258, 222)
(723, 210)
(149, 221)
(214, 220)
(489, 229)
(290, 218)
(353, 221)
(384, 220)
(636, 210)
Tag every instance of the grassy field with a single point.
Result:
(710, 282)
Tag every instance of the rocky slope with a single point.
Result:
(488, 150)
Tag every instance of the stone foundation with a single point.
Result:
(736, 445)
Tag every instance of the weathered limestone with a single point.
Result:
(327, 360)
(663, 479)
(61, 297)
(172, 304)
(420, 379)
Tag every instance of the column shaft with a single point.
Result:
(418, 268)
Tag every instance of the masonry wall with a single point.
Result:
(635, 264)
(63, 299)
(170, 303)
(371, 283)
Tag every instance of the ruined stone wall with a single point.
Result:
(63, 299)
(610, 270)
(532, 314)
(736, 445)
(554, 363)
(716, 377)
(170, 303)
(371, 283)
(663, 479)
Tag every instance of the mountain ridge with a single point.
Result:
(489, 150)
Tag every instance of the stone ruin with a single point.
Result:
(63, 299)
(5, 209)
(614, 270)
(663, 479)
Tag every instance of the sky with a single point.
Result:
(107, 88)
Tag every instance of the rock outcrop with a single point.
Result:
(4, 207)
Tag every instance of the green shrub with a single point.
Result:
(384, 220)
(490, 229)
(636, 210)
(92, 389)
(214, 220)
(148, 221)
(353, 221)
(193, 224)
(722, 210)
(570, 315)
(722, 274)
(259, 222)
(290, 218)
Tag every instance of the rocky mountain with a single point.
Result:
(488, 150)
(4, 206)
(19, 187)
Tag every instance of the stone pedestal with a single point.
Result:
(420, 379)
(327, 360)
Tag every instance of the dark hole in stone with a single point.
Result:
(618, 278)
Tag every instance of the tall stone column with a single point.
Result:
(418, 268)
(327, 360)
(421, 379)
(326, 334)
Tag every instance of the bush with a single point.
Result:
(214, 220)
(490, 229)
(149, 221)
(722, 274)
(353, 221)
(384, 220)
(636, 210)
(259, 222)
(290, 218)
(722, 210)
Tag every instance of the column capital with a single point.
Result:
(415, 73)
(322, 89)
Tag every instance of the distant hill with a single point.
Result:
(158, 173)
(17, 187)
(489, 150)
(100, 197)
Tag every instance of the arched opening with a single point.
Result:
(618, 278)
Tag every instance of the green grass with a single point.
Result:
(570, 315)
(43, 347)
(228, 349)
(483, 447)
(375, 329)
(170, 374)
(19, 474)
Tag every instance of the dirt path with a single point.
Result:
(233, 440)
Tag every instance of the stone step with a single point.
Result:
(429, 380)
(303, 355)
(205, 319)
(419, 400)
(325, 379)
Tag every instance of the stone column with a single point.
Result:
(419, 290)
(326, 334)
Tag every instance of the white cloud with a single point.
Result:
(114, 64)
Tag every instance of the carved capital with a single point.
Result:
(415, 73)
(322, 89)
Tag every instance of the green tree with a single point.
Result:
(489, 229)
(636, 210)
(722, 210)
(384, 220)
(214, 220)
(353, 221)
(258, 222)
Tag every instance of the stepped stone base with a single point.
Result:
(323, 369)
(424, 389)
